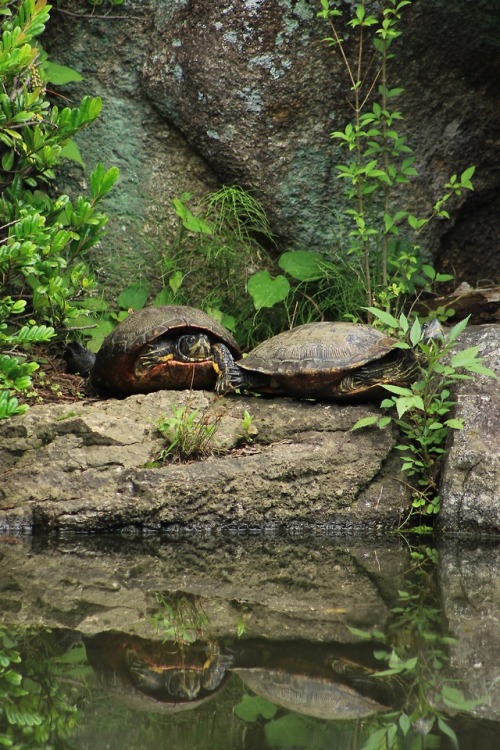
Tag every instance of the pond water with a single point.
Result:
(248, 641)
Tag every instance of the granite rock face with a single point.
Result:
(199, 93)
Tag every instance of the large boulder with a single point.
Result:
(92, 466)
(199, 92)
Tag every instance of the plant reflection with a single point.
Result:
(41, 677)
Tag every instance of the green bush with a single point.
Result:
(44, 237)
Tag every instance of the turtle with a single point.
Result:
(155, 348)
(328, 361)
(314, 696)
(158, 676)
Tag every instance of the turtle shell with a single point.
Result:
(310, 361)
(114, 365)
(312, 696)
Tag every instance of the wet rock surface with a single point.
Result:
(470, 590)
(278, 587)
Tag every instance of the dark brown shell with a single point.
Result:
(312, 359)
(114, 365)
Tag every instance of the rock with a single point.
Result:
(252, 90)
(279, 587)
(469, 577)
(88, 468)
(471, 472)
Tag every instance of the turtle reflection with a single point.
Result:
(326, 681)
(160, 677)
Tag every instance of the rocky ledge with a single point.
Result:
(92, 466)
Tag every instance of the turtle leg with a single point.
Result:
(228, 373)
(155, 353)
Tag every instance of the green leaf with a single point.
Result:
(455, 424)
(465, 357)
(266, 291)
(101, 181)
(457, 329)
(60, 74)
(404, 404)
(385, 317)
(364, 634)
(448, 731)
(290, 730)
(251, 707)
(303, 265)
(133, 296)
(8, 160)
(465, 179)
(376, 740)
(175, 281)
(71, 151)
(415, 332)
(399, 390)
(365, 422)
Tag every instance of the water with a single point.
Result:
(248, 641)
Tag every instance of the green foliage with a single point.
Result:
(219, 245)
(384, 234)
(45, 238)
(181, 617)
(248, 428)
(422, 411)
(251, 707)
(35, 710)
(189, 433)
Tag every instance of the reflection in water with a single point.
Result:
(190, 689)
(327, 681)
(152, 676)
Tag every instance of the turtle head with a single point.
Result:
(193, 347)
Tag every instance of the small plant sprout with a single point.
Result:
(189, 433)
(248, 427)
(423, 410)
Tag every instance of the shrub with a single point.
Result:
(44, 237)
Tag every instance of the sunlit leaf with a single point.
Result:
(133, 296)
(365, 422)
(266, 291)
(60, 74)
